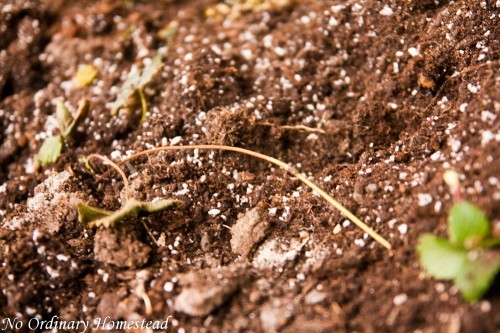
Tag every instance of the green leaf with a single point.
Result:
(135, 82)
(50, 150)
(88, 214)
(467, 225)
(128, 89)
(150, 71)
(81, 114)
(63, 116)
(85, 75)
(478, 274)
(96, 217)
(156, 206)
(439, 258)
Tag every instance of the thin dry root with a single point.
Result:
(301, 128)
(117, 168)
(277, 162)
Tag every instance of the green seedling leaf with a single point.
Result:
(87, 214)
(63, 116)
(96, 217)
(135, 84)
(439, 258)
(467, 225)
(50, 150)
(128, 89)
(150, 71)
(478, 274)
(156, 206)
(81, 114)
(85, 75)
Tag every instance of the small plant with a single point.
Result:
(235, 9)
(468, 257)
(169, 30)
(133, 87)
(88, 213)
(85, 75)
(96, 217)
(52, 146)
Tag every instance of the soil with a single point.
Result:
(372, 101)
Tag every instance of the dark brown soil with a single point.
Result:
(401, 92)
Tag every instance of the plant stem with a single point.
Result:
(144, 104)
(117, 168)
(282, 165)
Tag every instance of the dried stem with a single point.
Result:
(117, 168)
(279, 163)
(301, 128)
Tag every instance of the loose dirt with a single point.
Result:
(372, 101)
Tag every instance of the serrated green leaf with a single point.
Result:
(50, 150)
(81, 114)
(88, 214)
(439, 258)
(467, 224)
(478, 274)
(85, 75)
(135, 83)
(128, 88)
(63, 116)
(96, 217)
(150, 71)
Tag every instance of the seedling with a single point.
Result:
(134, 86)
(52, 146)
(85, 75)
(468, 257)
(169, 30)
(96, 217)
(280, 164)
(235, 9)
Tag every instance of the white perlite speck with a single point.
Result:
(472, 88)
(247, 54)
(214, 212)
(400, 299)
(359, 242)
(337, 229)
(413, 51)
(175, 140)
(386, 11)
(403, 228)
(168, 286)
(486, 137)
(424, 199)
